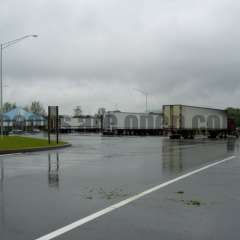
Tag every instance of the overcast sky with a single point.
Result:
(94, 53)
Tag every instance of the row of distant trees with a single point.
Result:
(35, 107)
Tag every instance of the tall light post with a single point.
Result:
(3, 46)
(146, 97)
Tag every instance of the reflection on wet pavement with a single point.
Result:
(53, 169)
(42, 191)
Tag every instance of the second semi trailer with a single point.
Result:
(187, 121)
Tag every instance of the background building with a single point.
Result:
(79, 124)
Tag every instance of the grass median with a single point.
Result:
(20, 143)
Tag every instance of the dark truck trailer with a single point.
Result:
(182, 121)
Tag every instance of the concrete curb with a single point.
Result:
(37, 149)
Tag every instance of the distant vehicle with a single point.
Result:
(36, 130)
(16, 131)
(187, 121)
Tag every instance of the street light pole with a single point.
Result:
(3, 46)
(146, 97)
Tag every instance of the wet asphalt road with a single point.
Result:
(41, 192)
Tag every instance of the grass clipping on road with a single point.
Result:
(19, 142)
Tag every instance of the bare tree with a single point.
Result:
(8, 106)
(36, 107)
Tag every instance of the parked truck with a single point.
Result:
(129, 123)
(187, 121)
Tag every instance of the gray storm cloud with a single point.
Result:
(94, 53)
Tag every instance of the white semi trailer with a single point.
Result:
(128, 123)
(187, 121)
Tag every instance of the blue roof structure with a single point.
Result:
(20, 113)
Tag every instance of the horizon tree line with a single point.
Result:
(34, 107)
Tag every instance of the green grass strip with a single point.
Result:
(19, 142)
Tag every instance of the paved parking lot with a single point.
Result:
(43, 192)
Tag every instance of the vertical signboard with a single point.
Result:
(53, 122)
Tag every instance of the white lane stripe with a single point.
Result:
(10, 154)
(104, 211)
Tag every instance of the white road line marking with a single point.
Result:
(109, 209)
(10, 154)
(25, 153)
